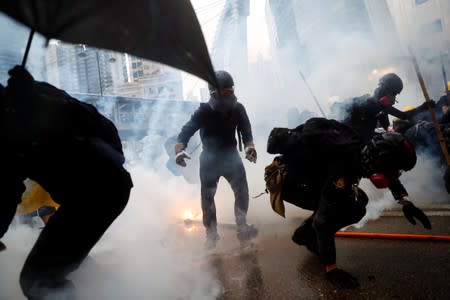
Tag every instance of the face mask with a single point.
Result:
(384, 97)
(224, 101)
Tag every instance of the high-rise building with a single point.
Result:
(288, 51)
(13, 41)
(80, 69)
(330, 28)
(86, 70)
(424, 25)
(229, 49)
(147, 79)
(341, 46)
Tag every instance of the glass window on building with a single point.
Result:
(153, 91)
(418, 2)
(138, 74)
(432, 27)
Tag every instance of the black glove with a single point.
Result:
(342, 280)
(20, 81)
(411, 211)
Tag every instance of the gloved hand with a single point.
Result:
(411, 211)
(20, 81)
(341, 279)
(180, 154)
(2, 246)
(250, 152)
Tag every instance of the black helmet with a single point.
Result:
(224, 80)
(392, 83)
(389, 152)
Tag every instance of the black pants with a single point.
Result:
(229, 165)
(335, 208)
(92, 194)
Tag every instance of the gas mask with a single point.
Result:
(223, 101)
(384, 97)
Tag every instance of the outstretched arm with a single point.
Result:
(187, 131)
(410, 211)
(244, 127)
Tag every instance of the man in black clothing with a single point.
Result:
(75, 154)
(218, 121)
(324, 165)
(366, 113)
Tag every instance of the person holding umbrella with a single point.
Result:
(75, 154)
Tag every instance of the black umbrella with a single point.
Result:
(166, 31)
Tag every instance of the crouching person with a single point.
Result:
(75, 154)
(322, 162)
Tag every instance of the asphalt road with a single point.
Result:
(276, 268)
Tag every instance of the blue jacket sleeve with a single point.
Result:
(188, 130)
(244, 126)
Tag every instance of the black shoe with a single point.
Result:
(246, 232)
(306, 236)
(342, 279)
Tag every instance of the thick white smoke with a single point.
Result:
(142, 255)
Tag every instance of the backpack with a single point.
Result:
(315, 144)
(274, 175)
(318, 136)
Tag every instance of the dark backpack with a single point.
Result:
(307, 151)
(318, 136)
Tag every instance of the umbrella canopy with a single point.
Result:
(165, 31)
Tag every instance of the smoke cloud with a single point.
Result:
(143, 252)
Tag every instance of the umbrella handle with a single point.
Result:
(27, 50)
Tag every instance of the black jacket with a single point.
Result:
(55, 140)
(366, 114)
(217, 130)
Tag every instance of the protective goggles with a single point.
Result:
(224, 92)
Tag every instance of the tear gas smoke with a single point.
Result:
(141, 254)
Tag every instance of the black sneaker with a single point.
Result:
(306, 236)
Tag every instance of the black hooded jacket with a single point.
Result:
(217, 130)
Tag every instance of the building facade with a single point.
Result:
(13, 41)
(86, 70)
(425, 26)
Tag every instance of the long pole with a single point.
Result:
(444, 76)
(27, 49)
(312, 94)
(437, 127)
(393, 236)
